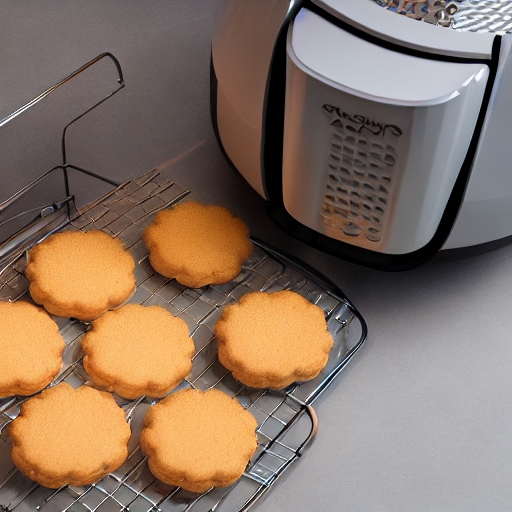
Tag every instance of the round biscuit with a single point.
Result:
(66, 436)
(198, 244)
(31, 349)
(197, 440)
(80, 275)
(138, 350)
(273, 339)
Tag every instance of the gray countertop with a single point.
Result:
(421, 418)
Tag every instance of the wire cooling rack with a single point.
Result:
(286, 420)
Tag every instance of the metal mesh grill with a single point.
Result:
(465, 15)
(286, 421)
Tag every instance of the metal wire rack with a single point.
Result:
(286, 420)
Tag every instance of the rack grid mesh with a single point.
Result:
(286, 420)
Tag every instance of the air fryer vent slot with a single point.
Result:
(359, 184)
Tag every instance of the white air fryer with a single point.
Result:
(377, 130)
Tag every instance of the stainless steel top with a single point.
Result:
(465, 15)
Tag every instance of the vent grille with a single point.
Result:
(359, 184)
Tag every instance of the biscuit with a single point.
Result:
(197, 244)
(30, 349)
(80, 275)
(138, 350)
(273, 339)
(198, 440)
(65, 436)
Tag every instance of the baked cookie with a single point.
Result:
(198, 244)
(138, 350)
(30, 349)
(79, 274)
(66, 436)
(273, 339)
(198, 440)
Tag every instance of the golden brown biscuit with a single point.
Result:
(30, 349)
(138, 350)
(273, 339)
(66, 436)
(198, 244)
(198, 440)
(80, 275)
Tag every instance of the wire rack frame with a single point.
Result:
(286, 420)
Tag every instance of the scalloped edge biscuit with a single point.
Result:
(197, 244)
(138, 350)
(31, 349)
(197, 440)
(273, 339)
(80, 274)
(67, 436)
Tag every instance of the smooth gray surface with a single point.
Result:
(421, 418)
